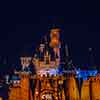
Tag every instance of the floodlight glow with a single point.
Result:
(50, 71)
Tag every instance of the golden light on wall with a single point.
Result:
(85, 91)
(54, 36)
(60, 82)
(1, 98)
(55, 33)
(54, 42)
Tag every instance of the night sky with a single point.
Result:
(24, 24)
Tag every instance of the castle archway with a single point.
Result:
(47, 95)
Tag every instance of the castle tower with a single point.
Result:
(72, 92)
(21, 88)
(55, 41)
(25, 87)
(90, 88)
(15, 88)
(95, 87)
(85, 91)
(15, 91)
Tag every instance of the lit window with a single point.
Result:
(14, 82)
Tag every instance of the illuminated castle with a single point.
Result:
(51, 81)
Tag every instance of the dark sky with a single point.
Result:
(23, 24)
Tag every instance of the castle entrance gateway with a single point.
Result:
(47, 95)
(47, 88)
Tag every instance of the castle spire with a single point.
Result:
(66, 50)
(91, 58)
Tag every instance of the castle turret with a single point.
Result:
(15, 89)
(85, 90)
(20, 89)
(95, 87)
(25, 62)
(72, 92)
